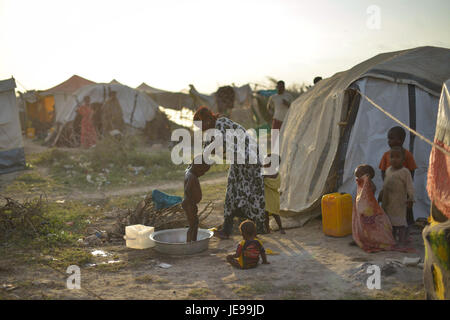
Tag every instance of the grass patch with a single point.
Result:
(145, 279)
(296, 292)
(199, 293)
(403, 292)
(62, 258)
(111, 163)
(31, 183)
(253, 289)
(43, 224)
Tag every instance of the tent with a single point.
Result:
(242, 110)
(114, 81)
(12, 155)
(58, 95)
(167, 99)
(331, 129)
(137, 108)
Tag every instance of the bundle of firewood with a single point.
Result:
(22, 218)
(146, 213)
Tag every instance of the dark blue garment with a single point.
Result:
(163, 200)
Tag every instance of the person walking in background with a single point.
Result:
(88, 133)
(112, 116)
(278, 106)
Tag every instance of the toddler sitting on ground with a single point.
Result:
(249, 249)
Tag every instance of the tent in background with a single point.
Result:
(331, 129)
(137, 108)
(59, 94)
(114, 81)
(167, 99)
(12, 155)
(242, 110)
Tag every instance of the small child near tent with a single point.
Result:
(371, 228)
(249, 250)
(398, 194)
(396, 137)
(193, 195)
(272, 196)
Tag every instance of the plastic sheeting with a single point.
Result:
(368, 139)
(12, 156)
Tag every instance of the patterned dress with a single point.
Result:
(245, 188)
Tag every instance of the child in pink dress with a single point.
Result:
(371, 228)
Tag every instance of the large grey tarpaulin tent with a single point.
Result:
(12, 156)
(331, 129)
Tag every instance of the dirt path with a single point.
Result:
(79, 195)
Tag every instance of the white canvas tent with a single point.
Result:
(331, 129)
(167, 99)
(12, 156)
(63, 91)
(137, 107)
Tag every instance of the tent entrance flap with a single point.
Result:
(354, 99)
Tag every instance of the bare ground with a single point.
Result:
(306, 265)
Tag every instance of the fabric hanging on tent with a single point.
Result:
(438, 185)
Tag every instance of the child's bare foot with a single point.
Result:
(282, 231)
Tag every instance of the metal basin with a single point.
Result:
(173, 241)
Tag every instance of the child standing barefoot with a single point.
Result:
(398, 194)
(272, 195)
(396, 137)
(193, 195)
(249, 249)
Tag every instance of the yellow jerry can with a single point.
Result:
(337, 214)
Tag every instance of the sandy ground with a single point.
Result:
(307, 265)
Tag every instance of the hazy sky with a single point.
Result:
(169, 44)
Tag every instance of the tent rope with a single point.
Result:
(404, 125)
